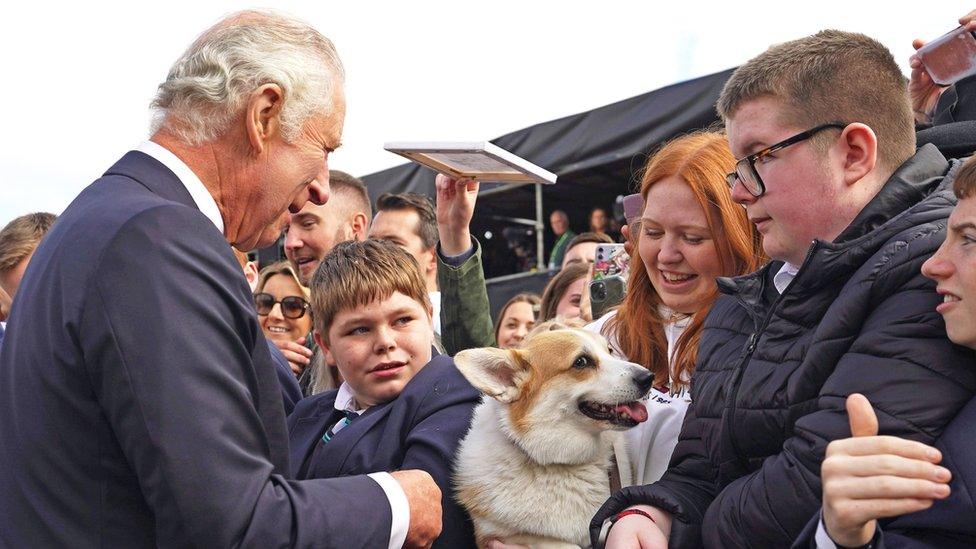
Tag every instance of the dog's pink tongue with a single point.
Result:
(635, 410)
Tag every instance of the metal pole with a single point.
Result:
(539, 227)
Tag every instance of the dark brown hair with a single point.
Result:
(427, 227)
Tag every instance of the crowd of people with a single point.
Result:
(798, 287)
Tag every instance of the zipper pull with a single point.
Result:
(753, 339)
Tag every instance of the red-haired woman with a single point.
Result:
(690, 233)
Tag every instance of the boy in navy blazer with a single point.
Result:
(398, 407)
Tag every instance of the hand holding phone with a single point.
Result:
(951, 57)
(610, 260)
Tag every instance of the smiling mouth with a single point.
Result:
(677, 277)
(628, 414)
(949, 298)
(277, 330)
(387, 366)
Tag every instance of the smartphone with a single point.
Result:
(633, 207)
(951, 57)
(610, 260)
(606, 293)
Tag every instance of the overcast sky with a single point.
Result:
(78, 77)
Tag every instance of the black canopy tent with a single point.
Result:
(598, 155)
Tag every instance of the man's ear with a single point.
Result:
(860, 151)
(497, 373)
(431, 266)
(262, 116)
(360, 226)
(251, 274)
(320, 341)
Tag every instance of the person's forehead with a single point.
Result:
(378, 308)
(671, 201)
(756, 124)
(323, 212)
(400, 222)
(281, 283)
(519, 309)
(583, 248)
(964, 212)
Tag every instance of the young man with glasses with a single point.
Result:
(848, 211)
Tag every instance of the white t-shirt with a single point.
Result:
(651, 443)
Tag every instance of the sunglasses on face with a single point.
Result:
(745, 168)
(291, 307)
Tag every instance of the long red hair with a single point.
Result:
(701, 160)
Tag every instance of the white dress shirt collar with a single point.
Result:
(201, 196)
(345, 400)
(785, 276)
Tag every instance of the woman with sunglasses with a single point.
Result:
(283, 309)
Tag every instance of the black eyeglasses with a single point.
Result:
(291, 306)
(745, 168)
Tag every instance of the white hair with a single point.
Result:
(209, 84)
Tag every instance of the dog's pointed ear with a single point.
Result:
(495, 372)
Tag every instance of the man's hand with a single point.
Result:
(868, 477)
(923, 91)
(638, 532)
(455, 208)
(297, 353)
(424, 498)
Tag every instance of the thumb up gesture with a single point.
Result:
(867, 477)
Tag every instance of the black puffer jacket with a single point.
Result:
(774, 370)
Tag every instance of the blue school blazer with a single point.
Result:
(420, 429)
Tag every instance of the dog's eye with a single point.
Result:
(582, 361)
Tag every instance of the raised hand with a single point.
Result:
(455, 208)
(867, 477)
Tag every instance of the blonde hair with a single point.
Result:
(283, 268)
(355, 274)
(21, 236)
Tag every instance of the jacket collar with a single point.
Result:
(153, 175)
(911, 182)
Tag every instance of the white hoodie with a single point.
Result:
(649, 445)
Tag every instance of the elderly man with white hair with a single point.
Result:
(138, 401)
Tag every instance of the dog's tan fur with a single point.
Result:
(533, 468)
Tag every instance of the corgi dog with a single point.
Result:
(533, 468)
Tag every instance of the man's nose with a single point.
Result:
(740, 195)
(292, 240)
(319, 191)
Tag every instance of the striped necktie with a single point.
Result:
(339, 425)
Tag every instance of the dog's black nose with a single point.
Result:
(644, 379)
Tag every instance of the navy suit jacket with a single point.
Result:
(1, 334)
(420, 429)
(138, 400)
(291, 392)
(949, 523)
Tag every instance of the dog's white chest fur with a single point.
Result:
(512, 497)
